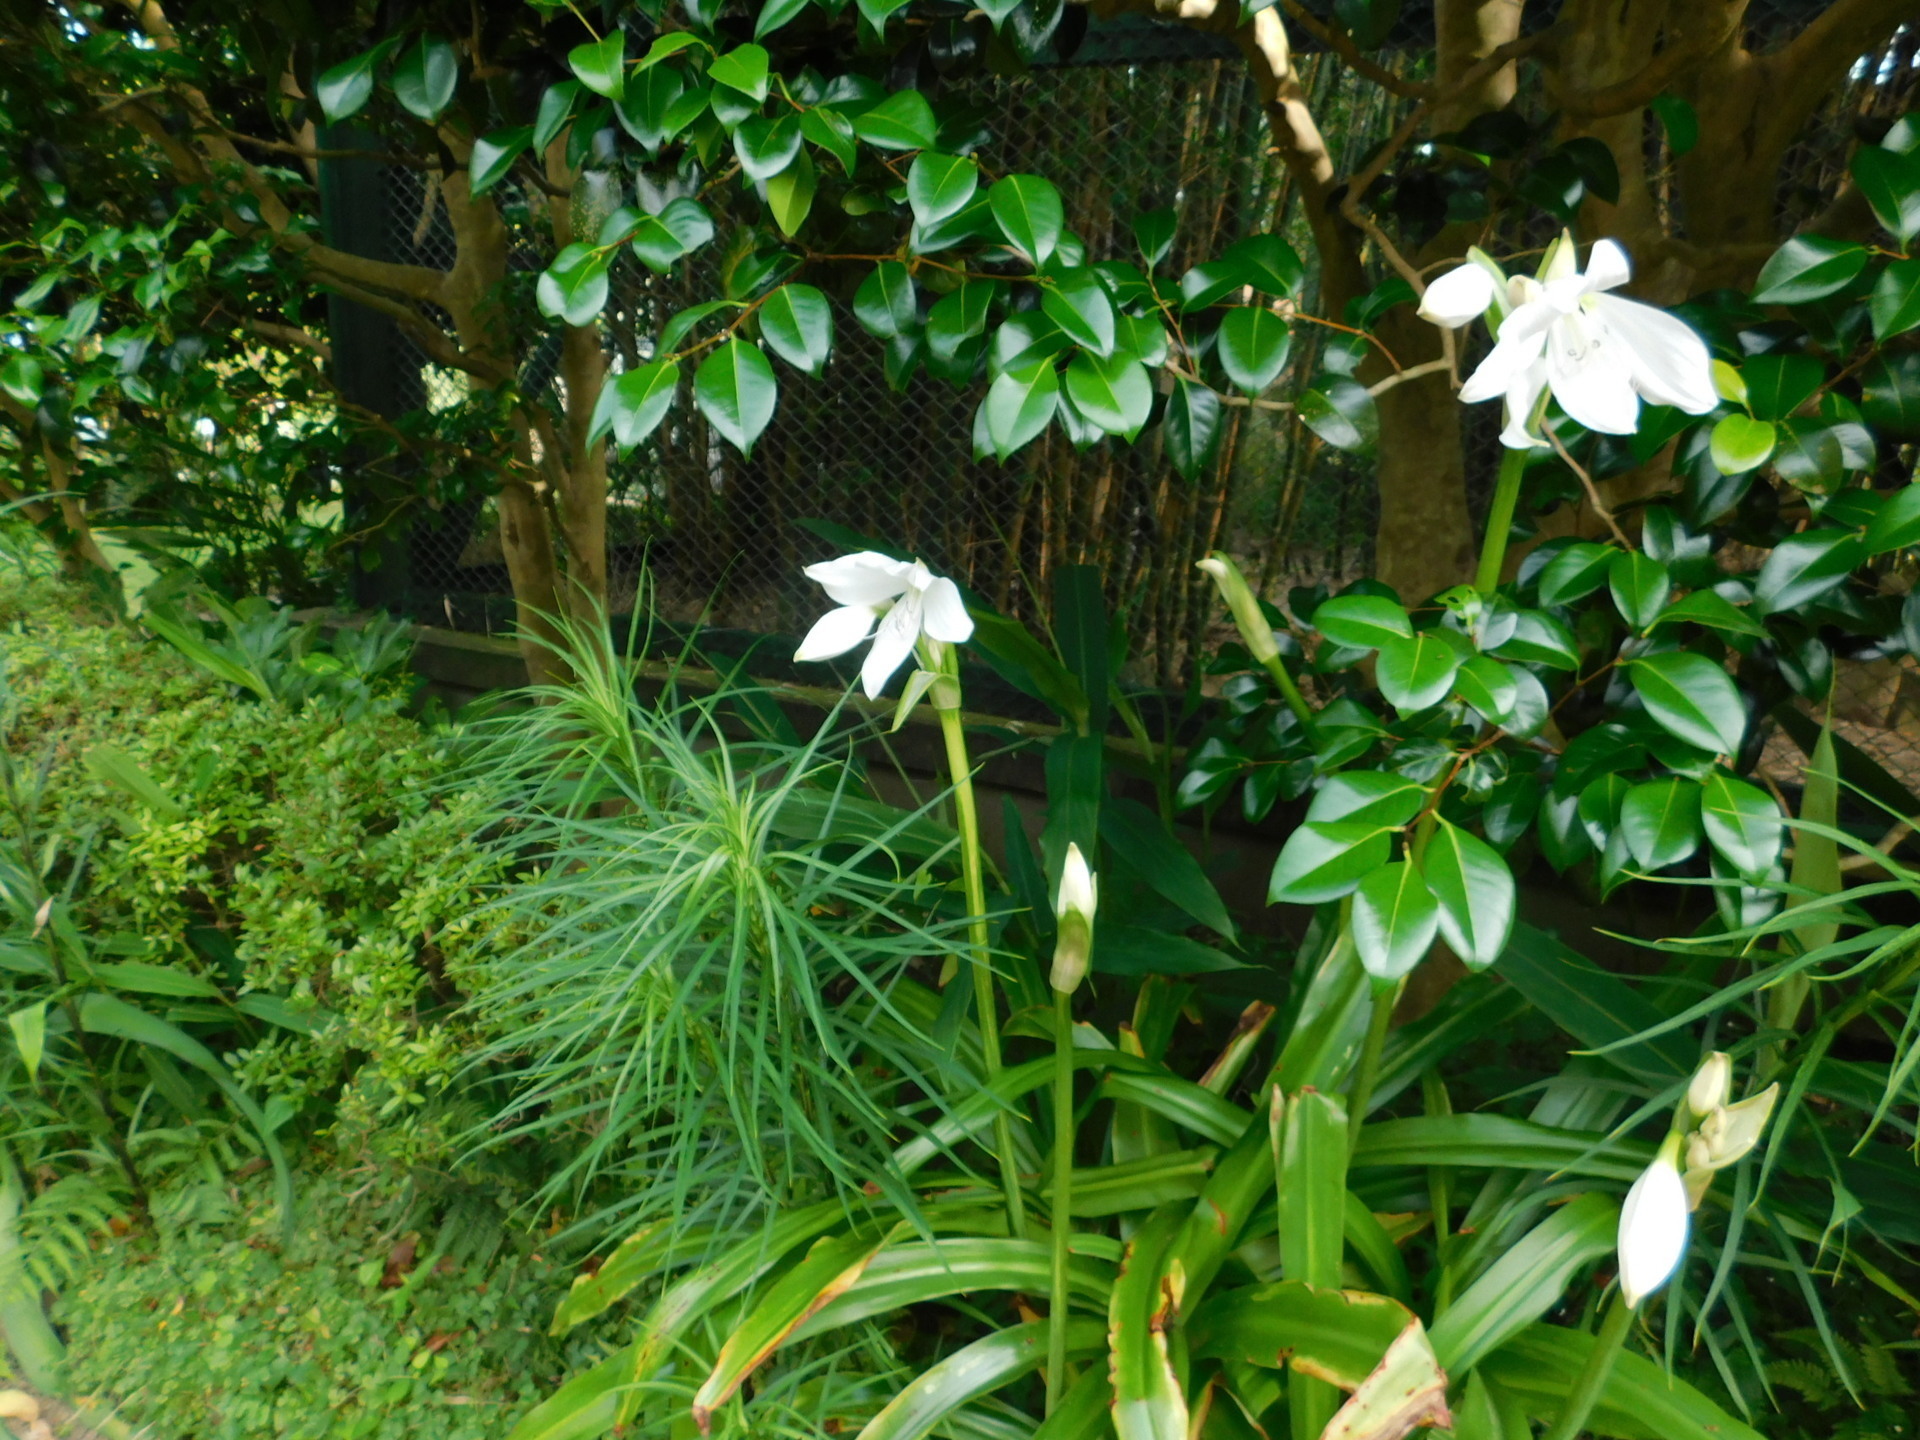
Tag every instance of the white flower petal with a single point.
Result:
(1607, 266)
(837, 632)
(1590, 377)
(1506, 360)
(946, 616)
(1561, 260)
(1458, 296)
(1670, 363)
(891, 645)
(865, 578)
(1653, 1231)
(1523, 396)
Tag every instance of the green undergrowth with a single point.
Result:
(297, 885)
(218, 1328)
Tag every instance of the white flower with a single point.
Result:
(869, 585)
(1600, 354)
(1459, 296)
(1653, 1228)
(1073, 908)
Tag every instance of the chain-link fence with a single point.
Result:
(1164, 118)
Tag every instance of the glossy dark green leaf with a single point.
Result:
(1078, 303)
(1890, 394)
(345, 89)
(1808, 267)
(742, 69)
(1416, 671)
(1897, 525)
(1693, 699)
(1894, 305)
(1475, 891)
(555, 109)
(1539, 639)
(1818, 457)
(832, 132)
(1267, 263)
(1209, 283)
(493, 156)
(1804, 567)
(1373, 796)
(1030, 214)
(1891, 183)
(902, 121)
(1114, 394)
(633, 404)
(1324, 860)
(1395, 918)
(1253, 345)
(1575, 573)
(1488, 686)
(1661, 820)
(1704, 607)
(1640, 586)
(797, 323)
(1153, 232)
(884, 304)
(1778, 385)
(1020, 403)
(938, 185)
(735, 389)
(600, 65)
(683, 227)
(1742, 822)
(574, 287)
(1362, 621)
(1191, 427)
(775, 14)
(424, 80)
(1343, 414)
(766, 146)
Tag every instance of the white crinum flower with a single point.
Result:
(869, 586)
(1073, 908)
(1600, 354)
(1653, 1228)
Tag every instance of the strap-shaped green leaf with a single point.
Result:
(1640, 1399)
(1527, 1281)
(828, 1271)
(1149, 1402)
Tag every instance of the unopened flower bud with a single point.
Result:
(1653, 1227)
(1247, 615)
(1073, 910)
(1712, 1084)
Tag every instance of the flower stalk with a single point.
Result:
(945, 696)
(1506, 498)
(1599, 1367)
(1074, 907)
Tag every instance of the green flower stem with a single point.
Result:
(1367, 1071)
(1506, 496)
(1290, 692)
(1061, 1208)
(946, 701)
(1586, 1391)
